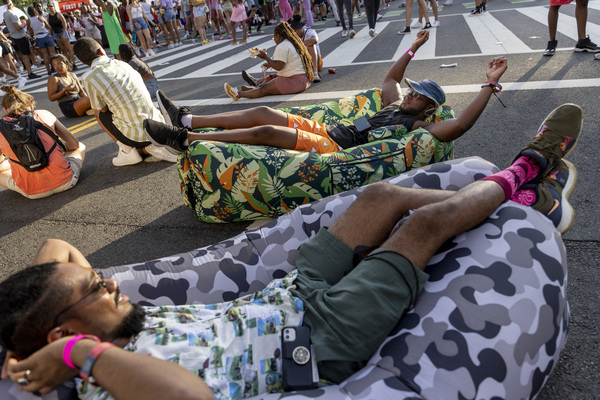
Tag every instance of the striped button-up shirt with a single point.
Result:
(115, 84)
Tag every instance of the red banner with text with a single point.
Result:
(70, 5)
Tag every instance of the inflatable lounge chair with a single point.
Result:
(230, 182)
(490, 323)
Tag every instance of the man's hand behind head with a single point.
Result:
(496, 68)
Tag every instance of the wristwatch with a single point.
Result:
(496, 87)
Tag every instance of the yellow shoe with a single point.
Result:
(232, 92)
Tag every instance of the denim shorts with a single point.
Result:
(44, 42)
(57, 36)
(141, 22)
(169, 15)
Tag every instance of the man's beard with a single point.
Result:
(132, 324)
(405, 111)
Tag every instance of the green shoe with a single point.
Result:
(553, 193)
(557, 136)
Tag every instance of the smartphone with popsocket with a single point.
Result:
(298, 361)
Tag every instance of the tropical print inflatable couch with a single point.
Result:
(491, 321)
(229, 182)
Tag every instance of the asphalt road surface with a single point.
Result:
(130, 214)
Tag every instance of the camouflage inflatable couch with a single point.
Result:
(490, 323)
(228, 182)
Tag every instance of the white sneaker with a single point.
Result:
(379, 16)
(417, 25)
(597, 56)
(372, 32)
(344, 33)
(449, 2)
(435, 24)
(21, 81)
(126, 156)
(151, 53)
(171, 46)
(161, 153)
(33, 67)
(351, 34)
(3, 78)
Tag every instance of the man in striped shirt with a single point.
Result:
(121, 102)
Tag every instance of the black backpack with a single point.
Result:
(21, 133)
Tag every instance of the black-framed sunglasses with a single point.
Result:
(97, 288)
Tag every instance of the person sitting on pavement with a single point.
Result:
(255, 18)
(127, 54)
(54, 314)
(121, 103)
(291, 61)
(63, 169)
(64, 87)
(269, 127)
(311, 40)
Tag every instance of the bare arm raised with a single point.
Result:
(452, 129)
(391, 84)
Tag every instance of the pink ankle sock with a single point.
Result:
(523, 170)
(525, 197)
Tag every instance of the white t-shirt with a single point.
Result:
(286, 52)
(310, 33)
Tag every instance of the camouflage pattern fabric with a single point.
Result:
(229, 182)
(491, 321)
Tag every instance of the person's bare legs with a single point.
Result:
(581, 14)
(266, 135)
(265, 89)
(439, 216)
(553, 21)
(250, 118)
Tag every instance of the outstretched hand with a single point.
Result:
(46, 366)
(496, 68)
(422, 37)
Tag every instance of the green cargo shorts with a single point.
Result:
(351, 310)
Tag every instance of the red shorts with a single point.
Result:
(560, 2)
(312, 136)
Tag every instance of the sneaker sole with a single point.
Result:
(163, 111)
(568, 216)
(578, 50)
(578, 133)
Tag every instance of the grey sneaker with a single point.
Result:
(557, 136)
(170, 112)
(587, 45)
(553, 193)
(171, 138)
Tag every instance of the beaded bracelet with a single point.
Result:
(86, 369)
(69, 348)
(410, 53)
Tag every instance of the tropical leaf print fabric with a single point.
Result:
(230, 182)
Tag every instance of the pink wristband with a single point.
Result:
(410, 53)
(69, 348)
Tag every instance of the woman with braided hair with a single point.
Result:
(291, 61)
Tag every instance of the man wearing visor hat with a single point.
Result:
(269, 127)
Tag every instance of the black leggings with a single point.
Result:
(347, 4)
(371, 8)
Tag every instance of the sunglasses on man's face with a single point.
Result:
(414, 94)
